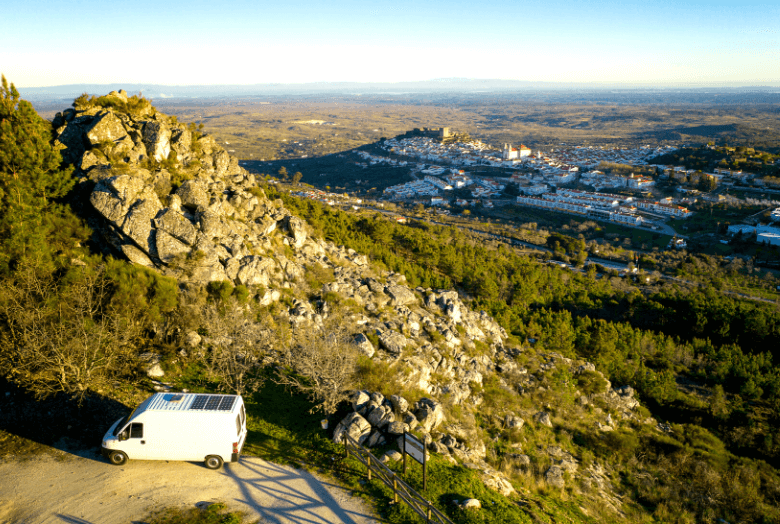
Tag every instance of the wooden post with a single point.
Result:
(428, 513)
(395, 489)
(425, 467)
(344, 438)
(404, 452)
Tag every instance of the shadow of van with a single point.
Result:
(29, 426)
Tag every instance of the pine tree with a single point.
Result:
(30, 176)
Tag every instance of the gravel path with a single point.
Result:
(88, 490)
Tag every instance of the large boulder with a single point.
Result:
(130, 206)
(106, 127)
(376, 439)
(397, 428)
(393, 341)
(89, 160)
(112, 197)
(157, 139)
(138, 222)
(181, 141)
(364, 345)
(512, 421)
(255, 271)
(360, 400)
(353, 425)
(176, 225)
(400, 295)
(544, 419)
(169, 247)
(470, 504)
(554, 477)
(400, 404)
(297, 230)
(381, 416)
(429, 413)
(450, 304)
(193, 194)
(221, 163)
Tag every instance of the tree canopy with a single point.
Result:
(31, 177)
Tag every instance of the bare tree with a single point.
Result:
(236, 345)
(319, 360)
(63, 335)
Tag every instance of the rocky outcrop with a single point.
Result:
(213, 226)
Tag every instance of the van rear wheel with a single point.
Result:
(213, 462)
(117, 458)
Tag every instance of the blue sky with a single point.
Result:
(649, 42)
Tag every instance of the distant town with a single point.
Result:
(452, 171)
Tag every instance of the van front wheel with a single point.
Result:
(213, 462)
(117, 458)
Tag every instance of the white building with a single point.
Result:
(769, 238)
(438, 182)
(663, 209)
(536, 189)
(514, 153)
(768, 234)
(509, 153)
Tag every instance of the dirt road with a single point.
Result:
(88, 490)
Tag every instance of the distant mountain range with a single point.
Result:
(441, 85)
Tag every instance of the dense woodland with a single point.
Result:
(707, 158)
(698, 358)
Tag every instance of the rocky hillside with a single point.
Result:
(168, 198)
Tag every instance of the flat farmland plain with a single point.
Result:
(277, 127)
(291, 127)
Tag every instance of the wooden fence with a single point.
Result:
(401, 490)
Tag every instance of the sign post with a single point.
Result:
(416, 449)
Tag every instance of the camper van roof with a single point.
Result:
(191, 402)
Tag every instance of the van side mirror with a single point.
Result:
(124, 435)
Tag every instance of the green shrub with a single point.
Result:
(374, 338)
(135, 105)
(220, 290)
(316, 275)
(591, 382)
(435, 336)
(332, 297)
(241, 293)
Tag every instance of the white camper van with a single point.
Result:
(180, 426)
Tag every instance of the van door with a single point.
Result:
(133, 443)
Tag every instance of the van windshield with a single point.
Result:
(121, 424)
(124, 420)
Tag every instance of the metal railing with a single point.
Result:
(401, 490)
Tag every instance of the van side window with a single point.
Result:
(238, 424)
(136, 430)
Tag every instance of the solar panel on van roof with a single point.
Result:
(226, 404)
(199, 402)
(214, 402)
